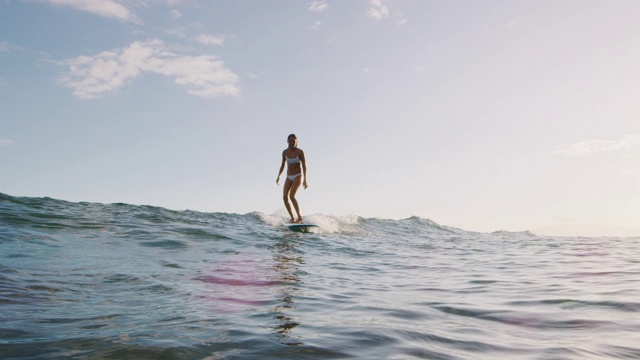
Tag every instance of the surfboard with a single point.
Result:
(301, 228)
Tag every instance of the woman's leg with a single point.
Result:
(285, 197)
(292, 195)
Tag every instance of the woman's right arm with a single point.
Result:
(281, 169)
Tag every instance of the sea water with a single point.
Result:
(117, 281)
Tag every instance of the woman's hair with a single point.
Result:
(292, 135)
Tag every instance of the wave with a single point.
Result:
(49, 213)
(91, 280)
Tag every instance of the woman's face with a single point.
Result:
(291, 141)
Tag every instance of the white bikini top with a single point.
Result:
(294, 160)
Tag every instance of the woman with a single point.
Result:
(296, 174)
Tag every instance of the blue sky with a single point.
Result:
(485, 115)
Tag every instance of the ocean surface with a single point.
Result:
(118, 281)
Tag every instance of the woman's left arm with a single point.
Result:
(303, 162)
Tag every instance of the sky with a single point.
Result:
(484, 115)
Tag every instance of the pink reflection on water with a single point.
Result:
(236, 282)
(239, 282)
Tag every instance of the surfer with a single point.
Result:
(296, 175)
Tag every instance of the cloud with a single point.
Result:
(316, 25)
(400, 19)
(210, 39)
(177, 31)
(318, 6)
(378, 11)
(595, 146)
(176, 14)
(105, 8)
(204, 76)
(4, 46)
(5, 142)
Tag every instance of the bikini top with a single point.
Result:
(294, 160)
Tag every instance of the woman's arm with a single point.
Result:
(281, 169)
(303, 162)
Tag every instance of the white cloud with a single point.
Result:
(105, 8)
(594, 146)
(5, 142)
(316, 25)
(178, 32)
(318, 6)
(204, 76)
(210, 39)
(4, 46)
(378, 11)
(176, 14)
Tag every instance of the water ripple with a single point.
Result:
(121, 281)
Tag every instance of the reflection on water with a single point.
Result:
(287, 259)
(237, 283)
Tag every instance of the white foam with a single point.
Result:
(328, 224)
(273, 219)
